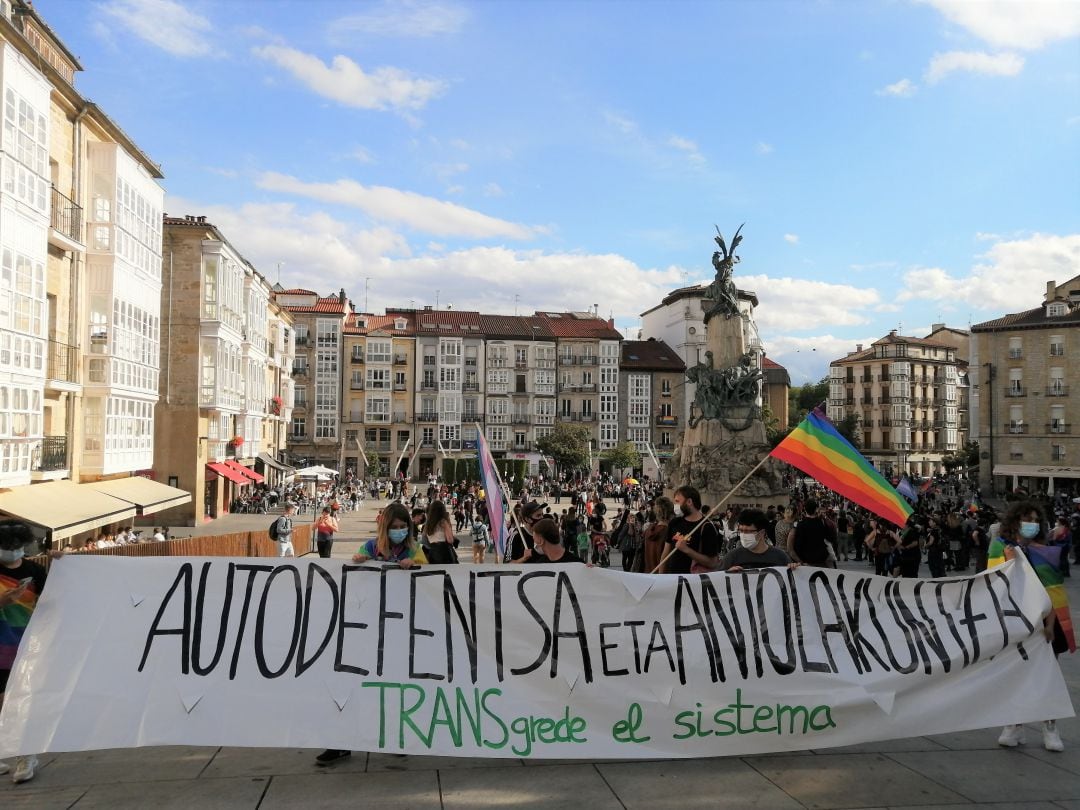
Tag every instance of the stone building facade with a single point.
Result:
(651, 388)
(1026, 412)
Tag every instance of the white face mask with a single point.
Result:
(748, 539)
(10, 555)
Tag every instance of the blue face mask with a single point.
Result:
(1029, 530)
(398, 535)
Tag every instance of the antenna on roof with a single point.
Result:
(516, 299)
(279, 271)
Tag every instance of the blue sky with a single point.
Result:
(896, 163)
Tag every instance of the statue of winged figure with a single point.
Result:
(721, 296)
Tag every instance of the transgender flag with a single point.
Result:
(490, 478)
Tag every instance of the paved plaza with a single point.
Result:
(961, 770)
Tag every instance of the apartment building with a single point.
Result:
(1024, 367)
(910, 397)
(679, 321)
(315, 435)
(776, 384)
(271, 459)
(80, 288)
(587, 366)
(651, 386)
(378, 414)
(224, 395)
(521, 385)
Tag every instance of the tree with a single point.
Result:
(850, 427)
(804, 398)
(623, 456)
(965, 457)
(567, 445)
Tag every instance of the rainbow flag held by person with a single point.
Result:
(816, 448)
(495, 509)
(1046, 560)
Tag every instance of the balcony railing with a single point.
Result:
(356, 358)
(299, 371)
(519, 419)
(667, 421)
(1016, 391)
(427, 416)
(67, 217)
(54, 455)
(400, 359)
(588, 417)
(1059, 427)
(1016, 354)
(63, 362)
(1057, 390)
(470, 386)
(1016, 427)
(588, 360)
(399, 386)
(356, 385)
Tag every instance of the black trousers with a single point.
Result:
(324, 543)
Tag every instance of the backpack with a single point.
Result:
(272, 531)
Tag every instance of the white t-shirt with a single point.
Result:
(159, 537)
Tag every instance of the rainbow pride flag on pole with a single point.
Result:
(1046, 560)
(493, 490)
(816, 448)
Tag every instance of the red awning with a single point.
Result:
(225, 471)
(245, 471)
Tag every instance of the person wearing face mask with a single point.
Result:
(547, 545)
(753, 550)
(1021, 533)
(691, 553)
(21, 583)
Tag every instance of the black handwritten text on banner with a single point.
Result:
(519, 661)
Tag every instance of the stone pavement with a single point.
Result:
(962, 770)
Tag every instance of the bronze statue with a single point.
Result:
(721, 296)
(728, 394)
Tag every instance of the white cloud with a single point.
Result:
(223, 172)
(982, 236)
(165, 24)
(904, 88)
(795, 303)
(1001, 64)
(623, 124)
(1014, 24)
(404, 18)
(416, 211)
(323, 253)
(1012, 275)
(444, 171)
(346, 82)
(688, 148)
(1072, 121)
(791, 238)
(807, 358)
(493, 190)
(362, 155)
(871, 266)
(763, 148)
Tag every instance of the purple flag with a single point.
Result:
(490, 478)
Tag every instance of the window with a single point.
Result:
(1016, 383)
(665, 387)
(299, 427)
(1057, 345)
(327, 332)
(1057, 452)
(586, 407)
(400, 324)
(1057, 419)
(1057, 387)
(1016, 451)
(450, 351)
(521, 357)
(1016, 419)
(1056, 309)
(378, 351)
(325, 426)
(1016, 348)
(399, 381)
(377, 409)
(449, 433)
(378, 379)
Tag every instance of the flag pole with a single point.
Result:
(713, 511)
(505, 493)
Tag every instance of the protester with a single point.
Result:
(325, 527)
(21, 584)
(910, 550)
(438, 536)
(882, 541)
(813, 538)
(547, 545)
(281, 531)
(656, 532)
(480, 540)
(691, 549)
(1022, 533)
(753, 550)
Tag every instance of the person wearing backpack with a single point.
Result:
(281, 532)
(813, 538)
(325, 527)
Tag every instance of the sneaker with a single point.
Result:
(332, 755)
(1011, 736)
(1051, 738)
(25, 768)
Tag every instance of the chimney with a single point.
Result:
(858, 347)
(936, 327)
(341, 295)
(892, 332)
(201, 220)
(1051, 291)
(611, 322)
(427, 307)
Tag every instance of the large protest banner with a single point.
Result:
(520, 661)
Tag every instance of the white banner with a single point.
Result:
(520, 661)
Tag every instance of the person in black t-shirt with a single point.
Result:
(547, 545)
(521, 539)
(813, 536)
(702, 550)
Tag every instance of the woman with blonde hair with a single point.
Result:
(395, 541)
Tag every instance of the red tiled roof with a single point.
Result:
(865, 354)
(448, 322)
(892, 337)
(653, 355)
(297, 291)
(332, 305)
(767, 362)
(378, 322)
(580, 325)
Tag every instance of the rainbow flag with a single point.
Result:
(1046, 560)
(493, 492)
(816, 448)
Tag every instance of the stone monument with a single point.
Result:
(725, 435)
